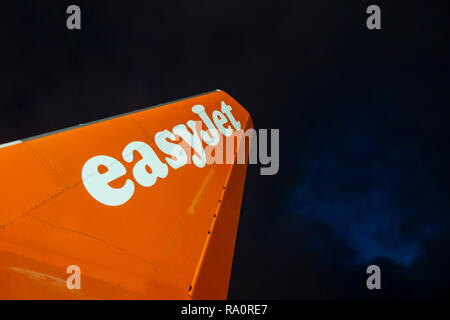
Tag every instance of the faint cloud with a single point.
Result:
(375, 196)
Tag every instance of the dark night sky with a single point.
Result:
(363, 117)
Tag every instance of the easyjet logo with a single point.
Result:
(98, 183)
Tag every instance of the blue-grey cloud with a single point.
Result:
(377, 196)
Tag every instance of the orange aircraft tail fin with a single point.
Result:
(138, 206)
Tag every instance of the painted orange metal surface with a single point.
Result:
(172, 240)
